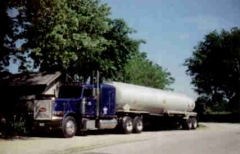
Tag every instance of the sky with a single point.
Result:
(172, 28)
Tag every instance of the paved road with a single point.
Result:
(215, 139)
(219, 139)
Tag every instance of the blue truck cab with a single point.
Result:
(77, 107)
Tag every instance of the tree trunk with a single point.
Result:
(235, 106)
(237, 103)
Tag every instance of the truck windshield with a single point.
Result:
(70, 92)
(88, 92)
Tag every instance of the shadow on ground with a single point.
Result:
(16, 136)
(57, 134)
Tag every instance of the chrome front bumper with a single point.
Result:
(47, 125)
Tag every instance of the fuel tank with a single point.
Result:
(139, 98)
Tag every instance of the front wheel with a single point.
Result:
(69, 127)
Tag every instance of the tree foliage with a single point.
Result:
(8, 30)
(77, 36)
(141, 71)
(5, 29)
(121, 47)
(67, 34)
(14, 21)
(215, 67)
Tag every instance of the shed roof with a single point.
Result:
(30, 79)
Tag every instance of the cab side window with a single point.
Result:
(69, 92)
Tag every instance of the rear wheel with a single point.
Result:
(187, 124)
(69, 127)
(194, 123)
(137, 125)
(127, 125)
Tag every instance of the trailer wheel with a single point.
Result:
(127, 125)
(137, 125)
(194, 123)
(187, 124)
(69, 127)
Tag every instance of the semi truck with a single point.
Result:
(111, 105)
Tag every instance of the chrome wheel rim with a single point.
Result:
(70, 127)
(129, 126)
(140, 125)
(190, 125)
(195, 124)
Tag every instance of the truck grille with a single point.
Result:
(43, 109)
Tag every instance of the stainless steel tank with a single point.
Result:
(156, 101)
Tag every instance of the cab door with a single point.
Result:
(90, 102)
(107, 105)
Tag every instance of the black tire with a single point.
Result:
(187, 124)
(137, 125)
(194, 123)
(69, 127)
(127, 125)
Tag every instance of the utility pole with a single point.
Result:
(98, 96)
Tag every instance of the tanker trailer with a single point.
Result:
(139, 102)
(127, 107)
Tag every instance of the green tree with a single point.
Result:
(4, 30)
(215, 68)
(120, 49)
(14, 21)
(78, 36)
(6, 34)
(141, 71)
(67, 34)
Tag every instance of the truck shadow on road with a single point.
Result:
(28, 136)
(117, 132)
(57, 134)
